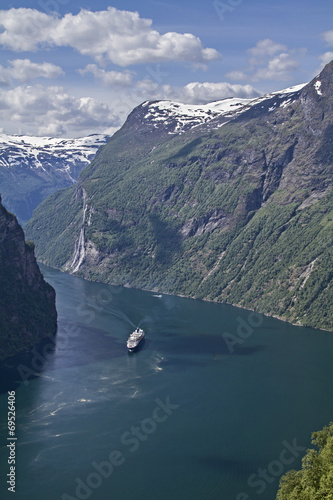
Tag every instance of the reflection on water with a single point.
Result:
(84, 397)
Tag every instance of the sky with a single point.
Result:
(70, 68)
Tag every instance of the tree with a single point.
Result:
(315, 480)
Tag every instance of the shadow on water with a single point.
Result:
(28, 364)
(180, 364)
(210, 345)
(230, 465)
(59, 352)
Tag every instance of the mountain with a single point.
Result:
(27, 302)
(176, 118)
(233, 205)
(32, 168)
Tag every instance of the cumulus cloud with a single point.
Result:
(121, 37)
(237, 75)
(200, 93)
(264, 48)
(23, 29)
(195, 92)
(269, 60)
(25, 70)
(51, 111)
(109, 78)
(278, 68)
(328, 37)
(326, 58)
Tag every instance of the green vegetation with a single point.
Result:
(27, 302)
(30, 245)
(315, 480)
(25, 315)
(242, 214)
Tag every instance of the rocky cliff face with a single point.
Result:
(27, 302)
(237, 208)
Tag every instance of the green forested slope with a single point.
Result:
(241, 213)
(27, 303)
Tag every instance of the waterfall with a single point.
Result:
(79, 248)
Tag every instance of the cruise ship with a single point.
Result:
(135, 339)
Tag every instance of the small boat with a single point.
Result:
(135, 339)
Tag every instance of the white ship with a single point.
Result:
(135, 339)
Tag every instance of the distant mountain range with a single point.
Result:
(32, 168)
(230, 201)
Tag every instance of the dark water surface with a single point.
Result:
(194, 415)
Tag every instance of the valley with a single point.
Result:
(234, 209)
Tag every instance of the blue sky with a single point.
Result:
(71, 68)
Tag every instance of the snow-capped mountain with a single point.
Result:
(229, 201)
(177, 118)
(31, 168)
(42, 153)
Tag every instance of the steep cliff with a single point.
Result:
(27, 302)
(237, 209)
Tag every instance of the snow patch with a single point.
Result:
(49, 153)
(179, 117)
(317, 86)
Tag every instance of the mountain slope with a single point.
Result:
(237, 208)
(27, 302)
(32, 168)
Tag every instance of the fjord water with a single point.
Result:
(186, 418)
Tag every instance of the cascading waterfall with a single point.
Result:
(79, 248)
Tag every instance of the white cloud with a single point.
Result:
(23, 29)
(263, 49)
(269, 60)
(121, 37)
(50, 110)
(200, 93)
(195, 92)
(279, 68)
(237, 75)
(5, 79)
(109, 78)
(24, 71)
(328, 37)
(326, 58)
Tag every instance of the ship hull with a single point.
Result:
(137, 347)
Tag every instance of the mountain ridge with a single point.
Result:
(237, 209)
(31, 168)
